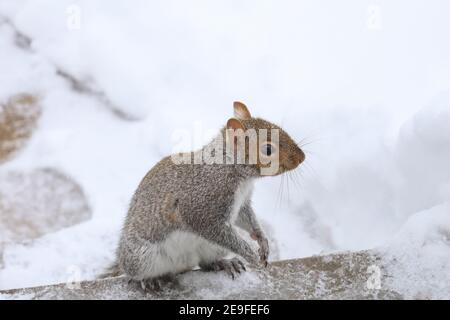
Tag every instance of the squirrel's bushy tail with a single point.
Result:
(111, 271)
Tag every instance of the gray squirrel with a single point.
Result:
(184, 215)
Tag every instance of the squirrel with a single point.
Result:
(184, 215)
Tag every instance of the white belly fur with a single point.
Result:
(242, 193)
(182, 250)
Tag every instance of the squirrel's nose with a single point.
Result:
(295, 159)
(301, 155)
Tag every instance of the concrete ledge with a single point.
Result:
(336, 276)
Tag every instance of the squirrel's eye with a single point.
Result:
(267, 149)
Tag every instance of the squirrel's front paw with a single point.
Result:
(263, 247)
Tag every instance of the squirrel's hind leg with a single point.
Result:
(232, 266)
(157, 284)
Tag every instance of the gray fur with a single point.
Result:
(181, 216)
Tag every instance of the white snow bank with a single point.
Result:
(418, 258)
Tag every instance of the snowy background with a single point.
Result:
(365, 83)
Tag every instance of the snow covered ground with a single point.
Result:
(366, 84)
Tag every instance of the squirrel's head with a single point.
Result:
(260, 143)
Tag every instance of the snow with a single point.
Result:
(418, 258)
(373, 101)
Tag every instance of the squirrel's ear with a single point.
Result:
(241, 111)
(234, 124)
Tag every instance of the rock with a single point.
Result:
(33, 203)
(18, 119)
(336, 276)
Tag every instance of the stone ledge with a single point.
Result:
(335, 276)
